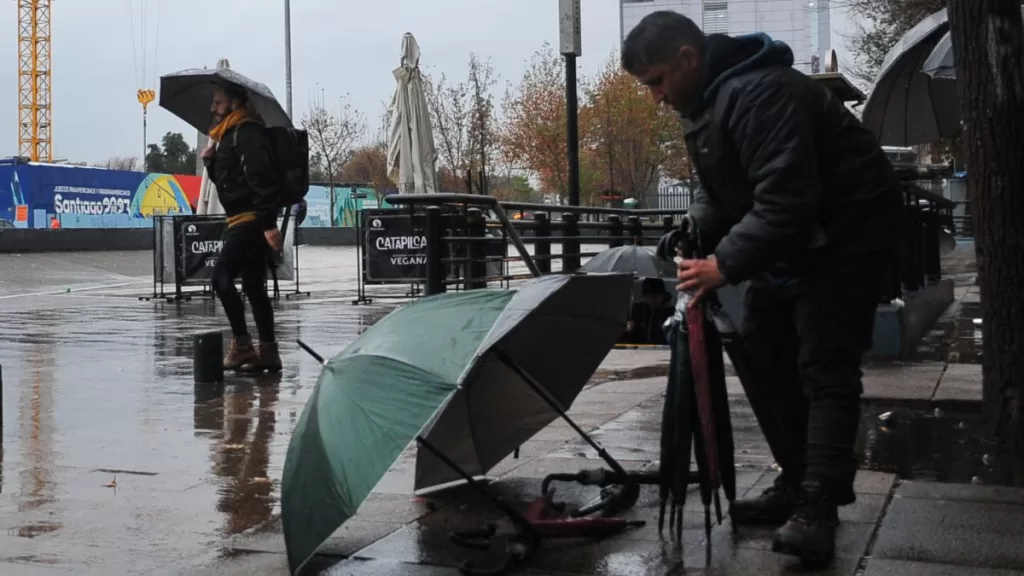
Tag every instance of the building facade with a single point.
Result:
(802, 24)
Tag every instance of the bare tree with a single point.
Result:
(877, 26)
(481, 133)
(126, 163)
(333, 134)
(450, 106)
(381, 137)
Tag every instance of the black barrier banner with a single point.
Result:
(201, 244)
(396, 248)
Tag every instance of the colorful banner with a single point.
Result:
(80, 197)
(348, 201)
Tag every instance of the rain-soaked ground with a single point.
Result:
(113, 461)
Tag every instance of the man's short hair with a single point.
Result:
(234, 91)
(657, 38)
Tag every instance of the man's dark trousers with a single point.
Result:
(805, 343)
(245, 253)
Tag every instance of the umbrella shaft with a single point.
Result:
(509, 511)
(539, 390)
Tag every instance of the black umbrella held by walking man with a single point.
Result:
(696, 410)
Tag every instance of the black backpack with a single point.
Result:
(290, 148)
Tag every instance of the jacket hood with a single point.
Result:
(729, 56)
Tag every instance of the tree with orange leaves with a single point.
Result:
(628, 139)
(534, 125)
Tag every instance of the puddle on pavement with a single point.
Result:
(956, 339)
(924, 445)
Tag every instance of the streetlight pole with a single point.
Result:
(570, 45)
(288, 56)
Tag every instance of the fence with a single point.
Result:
(459, 241)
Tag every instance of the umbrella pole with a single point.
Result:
(513, 515)
(537, 388)
(311, 352)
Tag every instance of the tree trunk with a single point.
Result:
(988, 37)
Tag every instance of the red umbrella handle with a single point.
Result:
(702, 391)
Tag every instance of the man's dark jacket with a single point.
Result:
(242, 168)
(788, 175)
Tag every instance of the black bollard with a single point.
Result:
(208, 358)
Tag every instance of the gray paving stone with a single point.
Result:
(933, 516)
(960, 382)
(902, 381)
(880, 567)
(963, 533)
(386, 568)
(960, 492)
(755, 562)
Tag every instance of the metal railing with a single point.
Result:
(927, 217)
(466, 238)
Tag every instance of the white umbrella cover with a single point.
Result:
(411, 151)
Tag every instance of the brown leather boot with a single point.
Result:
(268, 359)
(240, 352)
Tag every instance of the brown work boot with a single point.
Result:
(810, 533)
(240, 352)
(268, 359)
(773, 507)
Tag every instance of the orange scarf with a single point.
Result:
(236, 117)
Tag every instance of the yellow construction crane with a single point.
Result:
(35, 138)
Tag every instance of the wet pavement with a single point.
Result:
(114, 462)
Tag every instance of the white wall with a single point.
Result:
(805, 25)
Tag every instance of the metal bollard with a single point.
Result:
(570, 243)
(636, 230)
(615, 231)
(476, 251)
(208, 358)
(433, 232)
(542, 248)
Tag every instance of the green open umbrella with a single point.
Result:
(474, 372)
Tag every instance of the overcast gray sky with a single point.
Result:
(347, 47)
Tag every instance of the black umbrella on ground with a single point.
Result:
(188, 94)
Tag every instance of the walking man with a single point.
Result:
(799, 198)
(241, 167)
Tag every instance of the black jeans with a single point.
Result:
(245, 252)
(806, 345)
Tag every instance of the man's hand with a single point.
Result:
(274, 238)
(630, 326)
(208, 152)
(699, 277)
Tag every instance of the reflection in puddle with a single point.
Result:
(240, 419)
(924, 445)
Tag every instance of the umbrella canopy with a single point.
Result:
(209, 201)
(905, 107)
(636, 260)
(411, 150)
(188, 94)
(459, 369)
(939, 64)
